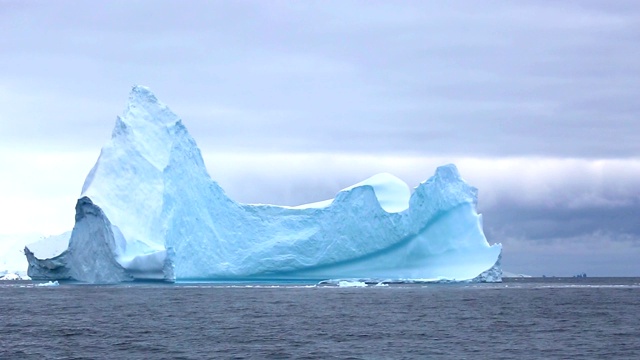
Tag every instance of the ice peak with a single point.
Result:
(448, 172)
(142, 94)
(144, 110)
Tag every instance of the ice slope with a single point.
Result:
(170, 219)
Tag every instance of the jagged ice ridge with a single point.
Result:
(150, 211)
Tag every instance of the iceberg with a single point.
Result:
(13, 277)
(150, 211)
(345, 283)
(49, 284)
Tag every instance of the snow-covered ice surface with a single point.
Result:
(12, 259)
(392, 194)
(159, 215)
(13, 277)
(51, 246)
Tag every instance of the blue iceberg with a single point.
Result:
(150, 211)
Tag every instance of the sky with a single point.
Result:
(536, 102)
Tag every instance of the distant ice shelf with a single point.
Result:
(150, 211)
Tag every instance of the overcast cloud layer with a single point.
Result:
(535, 101)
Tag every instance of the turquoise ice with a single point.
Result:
(169, 220)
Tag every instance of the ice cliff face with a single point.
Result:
(91, 253)
(156, 214)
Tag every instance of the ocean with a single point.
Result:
(522, 318)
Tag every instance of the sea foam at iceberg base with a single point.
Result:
(150, 211)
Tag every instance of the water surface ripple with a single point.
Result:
(518, 319)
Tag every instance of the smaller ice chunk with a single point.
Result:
(10, 277)
(92, 255)
(347, 283)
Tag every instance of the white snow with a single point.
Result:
(11, 276)
(392, 193)
(50, 246)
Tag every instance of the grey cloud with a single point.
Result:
(362, 77)
(549, 224)
(595, 254)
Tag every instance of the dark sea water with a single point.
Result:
(552, 318)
